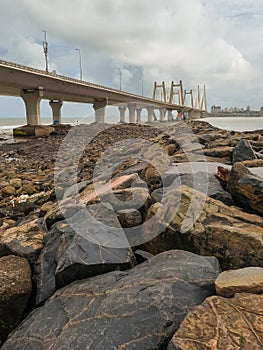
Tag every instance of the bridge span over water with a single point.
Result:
(32, 85)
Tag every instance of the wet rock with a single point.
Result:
(138, 309)
(15, 289)
(188, 219)
(91, 242)
(221, 323)
(249, 280)
(246, 189)
(243, 151)
(25, 240)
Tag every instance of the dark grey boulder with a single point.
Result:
(243, 151)
(90, 243)
(246, 189)
(140, 308)
(201, 181)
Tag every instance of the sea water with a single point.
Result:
(236, 123)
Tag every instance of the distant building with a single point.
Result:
(215, 109)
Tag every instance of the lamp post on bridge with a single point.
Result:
(80, 64)
(45, 48)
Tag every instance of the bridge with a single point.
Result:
(32, 85)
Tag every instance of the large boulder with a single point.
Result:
(15, 290)
(248, 279)
(25, 240)
(189, 220)
(89, 243)
(200, 180)
(137, 309)
(246, 188)
(243, 151)
(222, 323)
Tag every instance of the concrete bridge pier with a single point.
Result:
(162, 114)
(139, 115)
(122, 110)
(150, 117)
(132, 109)
(99, 107)
(56, 110)
(31, 98)
(170, 116)
(195, 114)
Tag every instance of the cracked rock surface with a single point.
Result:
(139, 308)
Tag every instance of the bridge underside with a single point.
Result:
(34, 85)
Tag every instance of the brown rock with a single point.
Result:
(189, 220)
(223, 324)
(15, 289)
(25, 240)
(248, 280)
(16, 182)
(246, 188)
(8, 191)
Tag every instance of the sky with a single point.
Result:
(216, 43)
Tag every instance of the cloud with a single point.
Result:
(198, 41)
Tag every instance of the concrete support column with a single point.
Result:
(32, 99)
(56, 110)
(139, 115)
(132, 108)
(170, 116)
(150, 116)
(195, 114)
(122, 110)
(99, 107)
(162, 114)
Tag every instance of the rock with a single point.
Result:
(222, 175)
(16, 182)
(221, 323)
(28, 189)
(15, 290)
(137, 309)
(129, 217)
(142, 256)
(25, 240)
(199, 177)
(3, 184)
(246, 189)
(8, 191)
(218, 152)
(92, 242)
(189, 220)
(55, 213)
(243, 151)
(248, 280)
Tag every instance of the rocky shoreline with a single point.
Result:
(132, 237)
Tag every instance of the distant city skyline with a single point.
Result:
(216, 43)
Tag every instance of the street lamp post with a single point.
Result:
(119, 69)
(45, 48)
(80, 64)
